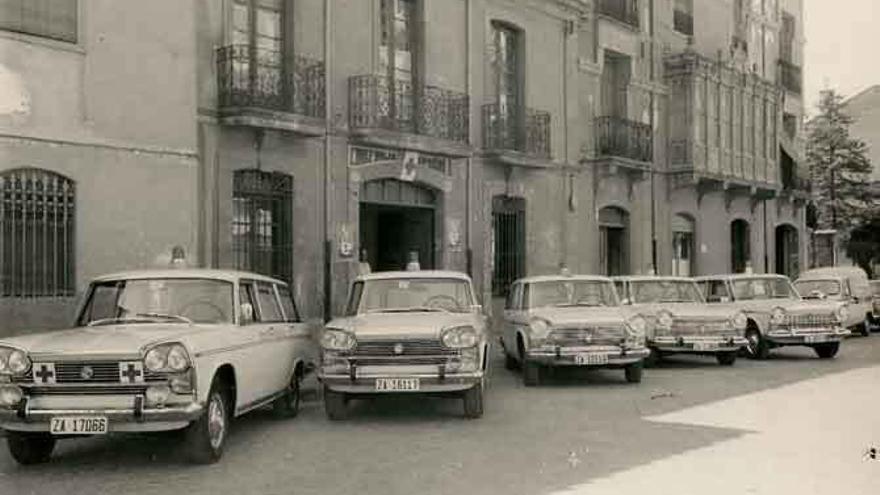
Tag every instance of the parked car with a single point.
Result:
(875, 304)
(776, 314)
(570, 320)
(406, 332)
(848, 284)
(680, 321)
(153, 351)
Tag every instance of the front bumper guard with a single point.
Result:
(566, 356)
(698, 344)
(786, 337)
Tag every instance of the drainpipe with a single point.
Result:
(328, 129)
(567, 30)
(468, 204)
(766, 256)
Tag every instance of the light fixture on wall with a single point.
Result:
(572, 197)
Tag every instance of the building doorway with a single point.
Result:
(787, 259)
(614, 241)
(740, 245)
(397, 219)
(682, 246)
(508, 242)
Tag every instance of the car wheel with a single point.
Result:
(510, 362)
(287, 406)
(726, 358)
(473, 402)
(865, 328)
(827, 351)
(335, 404)
(30, 448)
(633, 372)
(206, 436)
(757, 347)
(531, 374)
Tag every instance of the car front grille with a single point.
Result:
(107, 372)
(579, 336)
(402, 352)
(681, 328)
(795, 322)
(86, 390)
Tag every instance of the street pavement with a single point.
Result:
(793, 422)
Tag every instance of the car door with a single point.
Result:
(248, 352)
(275, 340)
(298, 341)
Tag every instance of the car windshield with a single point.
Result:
(169, 300)
(818, 288)
(413, 295)
(763, 288)
(570, 293)
(664, 291)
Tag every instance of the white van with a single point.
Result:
(841, 283)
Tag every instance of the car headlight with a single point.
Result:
(664, 320)
(167, 358)
(14, 361)
(461, 337)
(636, 326)
(740, 321)
(334, 339)
(777, 316)
(841, 313)
(540, 328)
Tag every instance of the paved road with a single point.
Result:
(578, 428)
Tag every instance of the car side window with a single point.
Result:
(514, 297)
(287, 304)
(716, 291)
(270, 311)
(246, 296)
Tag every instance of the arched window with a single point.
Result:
(262, 225)
(37, 227)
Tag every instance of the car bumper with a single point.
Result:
(35, 415)
(568, 356)
(698, 344)
(808, 338)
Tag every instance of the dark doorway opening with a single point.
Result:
(396, 219)
(613, 241)
(509, 239)
(787, 262)
(740, 245)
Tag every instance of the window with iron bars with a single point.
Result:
(262, 233)
(37, 227)
(55, 19)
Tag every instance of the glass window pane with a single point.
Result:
(290, 313)
(269, 309)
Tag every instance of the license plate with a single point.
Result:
(815, 339)
(705, 346)
(397, 384)
(79, 425)
(592, 358)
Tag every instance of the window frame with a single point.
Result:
(75, 41)
(257, 284)
(295, 318)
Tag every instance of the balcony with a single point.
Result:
(622, 138)
(409, 115)
(510, 131)
(683, 22)
(625, 11)
(790, 76)
(264, 88)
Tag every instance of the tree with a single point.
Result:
(839, 168)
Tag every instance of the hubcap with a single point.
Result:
(216, 421)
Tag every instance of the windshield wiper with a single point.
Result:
(166, 316)
(116, 319)
(415, 309)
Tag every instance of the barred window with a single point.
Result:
(55, 19)
(36, 234)
(262, 233)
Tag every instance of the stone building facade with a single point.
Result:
(497, 137)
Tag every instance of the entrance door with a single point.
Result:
(787, 251)
(682, 246)
(397, 219)
(613, 240)
(740, 246)
(509, 242)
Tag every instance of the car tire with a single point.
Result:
(865, 328)
(473, 402)
(531, 374)
(206, 436)
(30, 448)
(510, 362)
(287, 406)
(335, 405)
(827, 351)
(633, 372)
(757, 347)
(726, 358)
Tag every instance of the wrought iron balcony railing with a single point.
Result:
(516, 129)
(683, 22)
(252, 77)
(790, 76)
(403, 106)
(624, 138)
(626, 11)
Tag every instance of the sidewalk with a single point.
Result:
(806, 438)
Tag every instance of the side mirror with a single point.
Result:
(247, 313)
